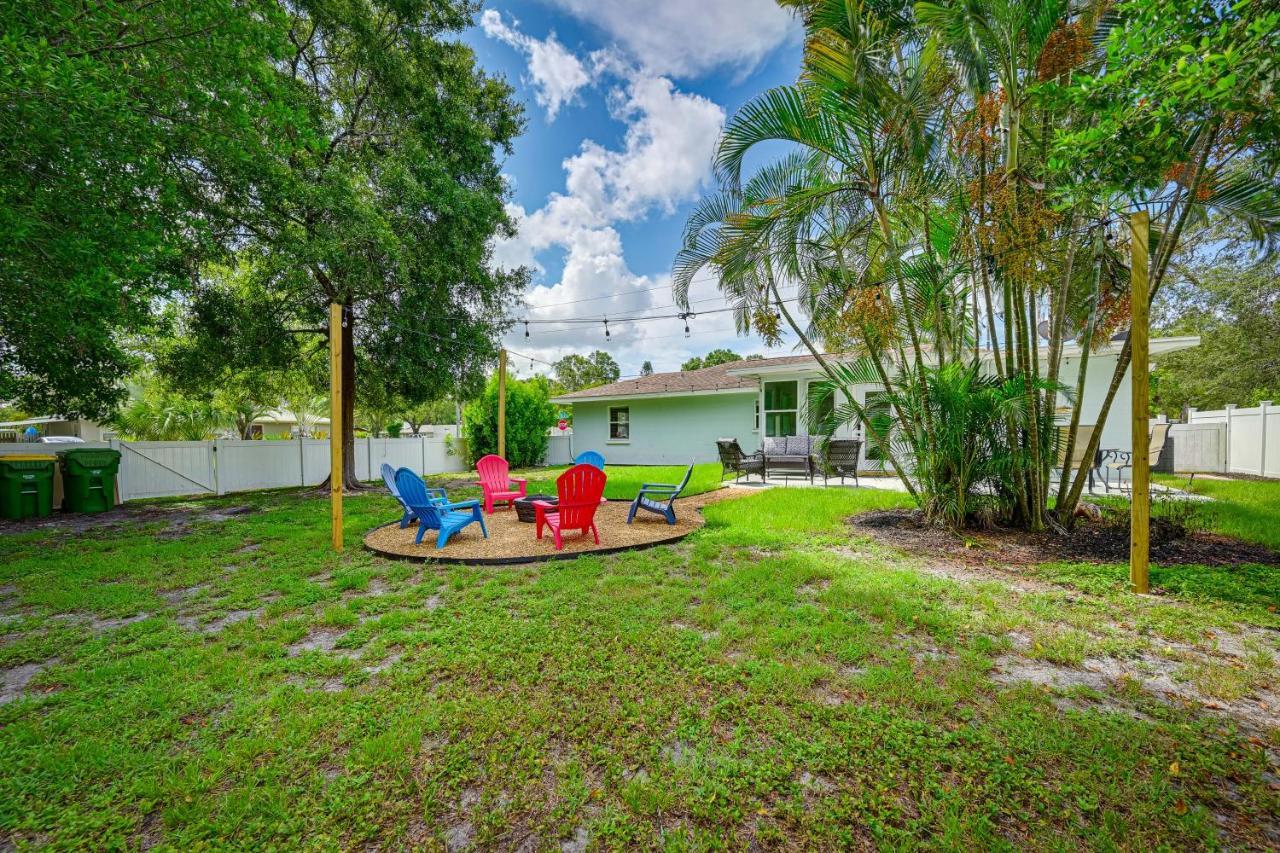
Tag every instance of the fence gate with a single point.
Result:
(157, 469)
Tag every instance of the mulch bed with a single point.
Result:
(1087, 543)
(512, 541)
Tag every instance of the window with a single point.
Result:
(619, 423)
(824, 410)
(781, 405)
(878, 421)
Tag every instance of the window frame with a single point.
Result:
(793, 411)
(625, 423)
(874, 404)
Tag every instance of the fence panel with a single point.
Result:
(315, 461)
(1199, 447)
(159, 469)
(396, 452)
(437, 459)
(559, 450)
(247, 465)
(1245, 437)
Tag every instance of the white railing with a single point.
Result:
(1248, 440)
(153, 469)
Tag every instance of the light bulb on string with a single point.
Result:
(526, 328)
(606, 330)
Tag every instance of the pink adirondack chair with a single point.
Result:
(496, 482)
(580, 490)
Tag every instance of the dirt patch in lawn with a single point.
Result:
(1086, 543)
(513, 541)
(179, 517)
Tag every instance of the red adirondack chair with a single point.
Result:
(496, 482)
(580, 490)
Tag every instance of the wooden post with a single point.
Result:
(335, 424)
(1139, 339)
(502, 403)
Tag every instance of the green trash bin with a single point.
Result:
(89, 478)
(26, 485)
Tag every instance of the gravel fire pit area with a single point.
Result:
(512, 541)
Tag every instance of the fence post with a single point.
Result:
(121, 483)
(213, 466)
(1262, 453)
(422, 447)
(1226, 461)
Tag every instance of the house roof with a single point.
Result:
(737, 377)
(706, 380)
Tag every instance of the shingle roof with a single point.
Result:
(686, 381)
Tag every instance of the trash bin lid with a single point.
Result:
(28, 457)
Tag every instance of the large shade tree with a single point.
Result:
(387, 206)
(575, 372)
(108, 112)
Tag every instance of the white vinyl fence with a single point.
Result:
(1231, 440)
(154, 469)
(559, 448)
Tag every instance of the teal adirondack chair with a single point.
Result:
(442, 517)
(659, 498)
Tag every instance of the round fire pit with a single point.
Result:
(525, 510)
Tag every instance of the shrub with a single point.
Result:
(529, 415)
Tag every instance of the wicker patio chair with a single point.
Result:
(733, 459)
(842, 457)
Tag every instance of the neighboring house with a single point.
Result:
(672, 418)
(54, 425)
(281, 423)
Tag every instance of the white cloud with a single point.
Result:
(666, 156)
(556, 74)
(689, 37)
(663, 160)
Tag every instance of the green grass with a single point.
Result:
(1245, 509)
(625, 480)
(769, 681)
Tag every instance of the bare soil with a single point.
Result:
(1087, 542)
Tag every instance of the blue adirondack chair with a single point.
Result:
(660, 498)
(442, 517)
(590, 457)
(389, 477)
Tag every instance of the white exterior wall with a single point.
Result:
(1117, 434)
(667, 430)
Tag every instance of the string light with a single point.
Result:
(526, 328)
(685, 317)
(606, 330)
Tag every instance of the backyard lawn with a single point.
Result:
(209, 674)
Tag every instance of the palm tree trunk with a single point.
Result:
(1086, 345)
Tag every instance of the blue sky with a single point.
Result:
(624, 101)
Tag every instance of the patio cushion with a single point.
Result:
(790, 447)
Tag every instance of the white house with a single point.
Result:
(672, 418)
